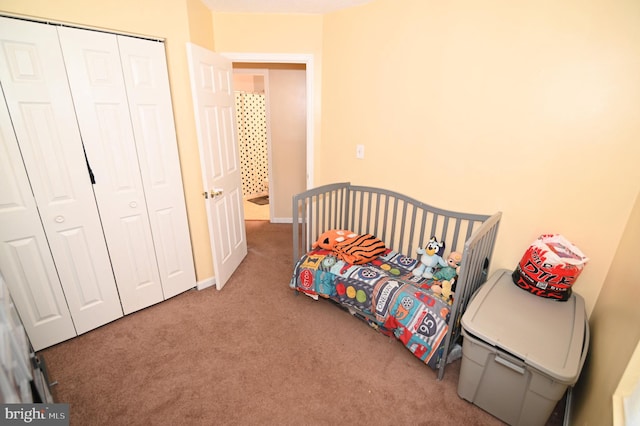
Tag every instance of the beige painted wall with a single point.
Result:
(288, 112)
(200, 27)
(615, 331)
(248, 82)
(176, 21)
(525, 107)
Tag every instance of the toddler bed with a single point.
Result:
(384, 291)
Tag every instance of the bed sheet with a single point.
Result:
(383, 292)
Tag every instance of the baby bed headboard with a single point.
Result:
(404, 224)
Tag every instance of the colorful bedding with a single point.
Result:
(384, 293)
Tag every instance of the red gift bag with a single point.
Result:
(549, 267)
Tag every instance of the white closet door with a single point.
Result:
(25, 259)
(34, 81)
(147, 82)
(95, 76)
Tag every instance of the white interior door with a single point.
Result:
(144, 66)
(214, 104)
(25, 259)
(97, 85)
(35, 86)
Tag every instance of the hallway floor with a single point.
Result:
(253, 211)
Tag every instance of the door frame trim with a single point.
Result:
(290, 58)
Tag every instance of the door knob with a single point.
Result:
(215, 192)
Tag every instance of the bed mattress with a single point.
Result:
(384, 293)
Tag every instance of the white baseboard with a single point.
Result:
(206, 283)
(281, 220)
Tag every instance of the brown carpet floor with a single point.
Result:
(251, 354)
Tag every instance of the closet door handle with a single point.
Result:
(133, 204)
(91, 175)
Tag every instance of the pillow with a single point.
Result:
(359, 249)
(329, 239)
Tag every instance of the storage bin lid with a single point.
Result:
(546, 334)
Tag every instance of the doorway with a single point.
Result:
(289, 124)
(251, 94)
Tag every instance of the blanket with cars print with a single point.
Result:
(384, 293)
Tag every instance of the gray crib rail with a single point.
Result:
(315, 211)
(474, 271)
(404, 224)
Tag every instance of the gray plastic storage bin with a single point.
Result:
(520, 351)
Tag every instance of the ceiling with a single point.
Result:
(281, 6)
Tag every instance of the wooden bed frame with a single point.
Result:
(404, 224)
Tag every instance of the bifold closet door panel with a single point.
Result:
(35, 87)
(147, 82)
(25, 259)
(97, 86)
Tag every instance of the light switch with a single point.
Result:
(360, 151)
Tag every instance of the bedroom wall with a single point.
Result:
(176, 21)
(614, 331)
(529, 108)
